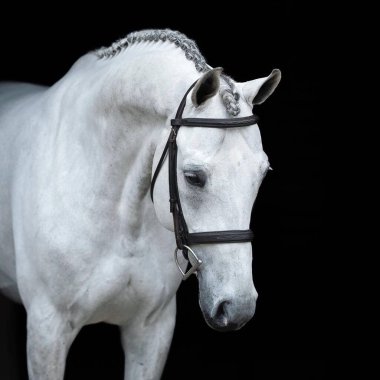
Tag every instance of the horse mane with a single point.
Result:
(227, 89)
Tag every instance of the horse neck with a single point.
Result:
(128, 97)
(116, 115)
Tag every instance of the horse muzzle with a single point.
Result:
(229, 314)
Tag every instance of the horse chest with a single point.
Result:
(117, 290)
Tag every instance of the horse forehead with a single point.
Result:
(200, 141)
(207, 143)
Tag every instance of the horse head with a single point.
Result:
(219, 172)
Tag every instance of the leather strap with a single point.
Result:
(215, 123)
(158, 168)
(178, 115)
(182, 235)
(229, 236)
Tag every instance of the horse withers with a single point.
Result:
(81, 240)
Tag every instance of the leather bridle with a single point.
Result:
(184, 238)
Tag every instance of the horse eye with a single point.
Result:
(195, 178)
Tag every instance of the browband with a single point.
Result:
(215, 123)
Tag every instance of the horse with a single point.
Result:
(81, 241)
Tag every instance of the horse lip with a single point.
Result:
(224, 326)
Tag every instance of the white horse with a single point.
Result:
(80, 239)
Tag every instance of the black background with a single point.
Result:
(285, 339)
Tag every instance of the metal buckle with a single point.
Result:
(194, 261)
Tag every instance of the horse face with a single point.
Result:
(217, 192)
(219, 175)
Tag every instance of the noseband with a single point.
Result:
(184, 238)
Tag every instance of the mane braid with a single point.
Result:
(227, 88)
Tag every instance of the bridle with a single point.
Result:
(184, 238)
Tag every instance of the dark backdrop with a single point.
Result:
(285, 339)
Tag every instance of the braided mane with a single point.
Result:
(227, 89)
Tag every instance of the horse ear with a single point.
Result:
(258, 90)
(206, 87)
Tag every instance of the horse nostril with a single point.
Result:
(230, 314)
(221, 311)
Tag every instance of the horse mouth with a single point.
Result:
(220, 319)
(223, 325)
